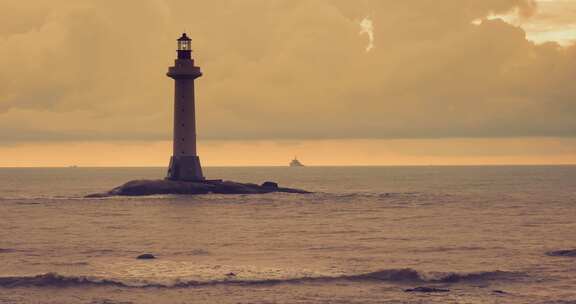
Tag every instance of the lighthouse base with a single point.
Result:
(185, 168)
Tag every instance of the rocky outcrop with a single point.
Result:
(270, 185)
(563, 253)
(426, 290)
(158, 187)
(146, 256)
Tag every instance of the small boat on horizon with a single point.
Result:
(296, 163)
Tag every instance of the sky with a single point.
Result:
(334, 82)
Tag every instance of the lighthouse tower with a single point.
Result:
(185, 163)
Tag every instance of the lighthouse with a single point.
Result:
(184, 163)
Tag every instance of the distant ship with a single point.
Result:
(296, 163)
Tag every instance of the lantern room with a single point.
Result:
(184, 47)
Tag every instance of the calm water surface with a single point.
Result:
(364, 236)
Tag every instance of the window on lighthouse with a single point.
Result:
(184, 45)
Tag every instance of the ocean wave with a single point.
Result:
(413, 276)
(8, 250)
(390, 275)
(55, 280)
(33, 199)
(41, 199)
(373, 194)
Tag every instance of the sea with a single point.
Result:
(365, 235)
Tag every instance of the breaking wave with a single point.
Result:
(408, 275)
(55, 280)
(391, 275)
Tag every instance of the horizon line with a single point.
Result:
(285, 166)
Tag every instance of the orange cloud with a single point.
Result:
(282, 69)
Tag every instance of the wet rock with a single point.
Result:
(97, 195)
(146, 256)
(271, 185)
(563, 253)
(426, 290)
(159, 187)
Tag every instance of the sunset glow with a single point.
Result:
(82, 75)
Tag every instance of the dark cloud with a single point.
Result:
(278, 69)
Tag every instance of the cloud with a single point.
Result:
(367, 28)
(282, 69)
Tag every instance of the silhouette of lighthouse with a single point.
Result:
(185, 163)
